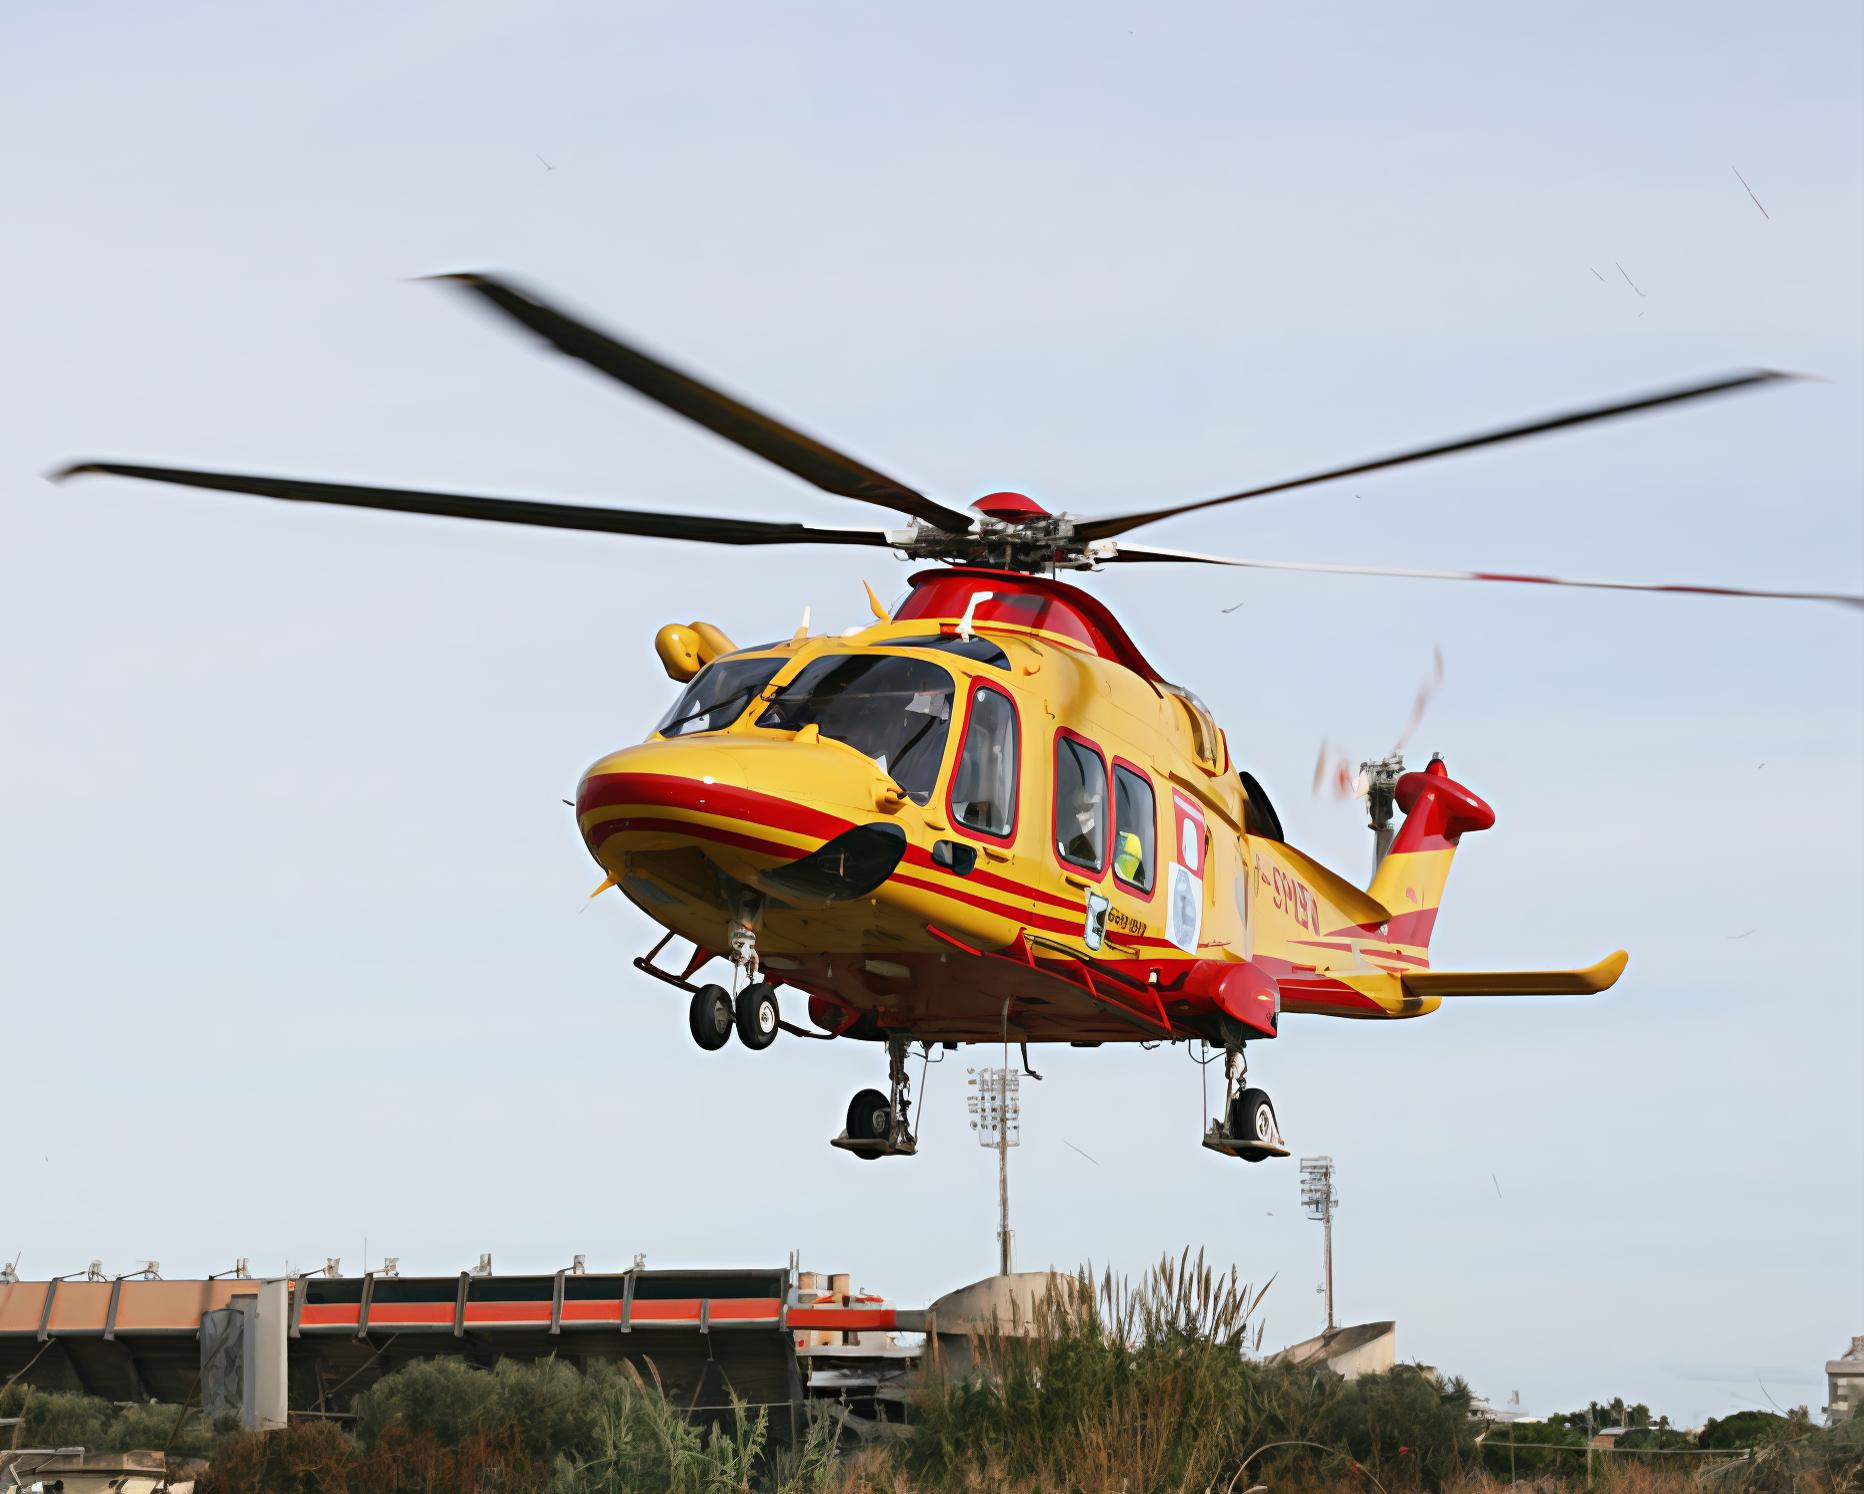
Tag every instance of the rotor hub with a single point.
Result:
(1011, 508)
(1034, 541)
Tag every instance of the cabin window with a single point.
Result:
(717, 695)
(1080, 804)
(983, 785)
(1135, 828)
(895, 709)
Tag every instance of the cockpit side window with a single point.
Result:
(1080, 804)
(895, 709)
(983, 785)
(717, 695)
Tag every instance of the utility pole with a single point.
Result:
(996, 1116)
(1319, 1198)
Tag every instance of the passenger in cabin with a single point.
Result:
(1080, 804)
(1083, 844)
(1130, 864)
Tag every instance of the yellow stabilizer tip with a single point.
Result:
(1607, 971)
(607, 882)
(873, 604)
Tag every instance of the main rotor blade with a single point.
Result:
(711, 529)
(1137, 552)
(1094, 529)
(761, 434)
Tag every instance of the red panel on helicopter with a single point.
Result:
(1024, 601)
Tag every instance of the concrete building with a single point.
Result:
(1363, 1349)
(1844, 1383)
(312, 1343)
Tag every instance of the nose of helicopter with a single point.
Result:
(759, 808)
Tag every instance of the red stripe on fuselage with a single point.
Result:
(602, 832)
(751, 807)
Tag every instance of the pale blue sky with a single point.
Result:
(289, 905)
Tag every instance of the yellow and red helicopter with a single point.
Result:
(985, 816)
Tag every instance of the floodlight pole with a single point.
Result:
(995, 1108)
(1326, 1224)
(1003, 1167)
(1318, 1198)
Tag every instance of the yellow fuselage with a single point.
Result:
(691, 826)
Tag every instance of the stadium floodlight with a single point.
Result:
(1319, 1198)
(996, 1108)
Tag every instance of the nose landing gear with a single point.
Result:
(757, 1016)
(710, 1017)
(1247, 1128)
(713, 1016)
(879, 1125)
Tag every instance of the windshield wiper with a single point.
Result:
(737, 697)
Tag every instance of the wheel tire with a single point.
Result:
(1252, 1117)
(757, 1016)
(870, 1117)
(709, 1016)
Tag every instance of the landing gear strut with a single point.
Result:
(879, 1125)
(1247, 1128)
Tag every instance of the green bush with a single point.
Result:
(1405, 1426)
(58, 1418)
(1156, 1387)
(1741, 1429)
(69, 1418)
(1799, 1458)
(545, 1426)
(546, 1404)
(1145, 1387)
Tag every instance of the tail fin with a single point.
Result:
(1437, 812)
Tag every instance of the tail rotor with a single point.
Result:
(1375, 781)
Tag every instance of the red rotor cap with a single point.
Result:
(1012, 508)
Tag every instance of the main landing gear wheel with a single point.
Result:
(1247, 1127)
(710, 1017)
(757, 1016)
(870, 1118)
(880, 1125)
(1252, 1125)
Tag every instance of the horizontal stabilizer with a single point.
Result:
(1587, 982)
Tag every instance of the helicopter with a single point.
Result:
(984, 816)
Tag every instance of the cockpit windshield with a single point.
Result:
(717, 695)
(896, 710)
